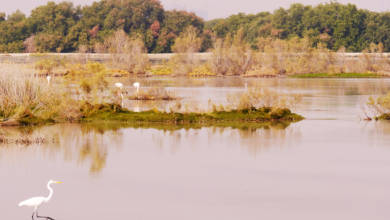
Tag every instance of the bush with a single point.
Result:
(231, 56)
(262, 98)
(185, 47)
(33, 99)
(127, 53)
(47, 66)
(380, 105)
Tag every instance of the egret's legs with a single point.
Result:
(33, 216)
(46, 217)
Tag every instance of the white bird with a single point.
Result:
(35, 202)
(119, 85)
(48, 78)
(137, 85)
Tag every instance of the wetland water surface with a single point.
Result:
(332, 165)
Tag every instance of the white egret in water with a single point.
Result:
(48, 78)
(137, 85)
(35, 202)
(120, 86)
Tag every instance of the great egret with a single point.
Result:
(120, 86)
(38, 201)
(137, 85)
(48, 78)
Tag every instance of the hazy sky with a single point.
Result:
(210, 9)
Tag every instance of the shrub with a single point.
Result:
(380, 105)
(47, 66)
(231, 56)
(185, 47)
(154, 94)
(33, 99)
(127, 53)
(260, 98)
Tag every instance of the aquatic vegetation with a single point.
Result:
(380, 106)
(33, 101)
(153, 94)
(111, 112)
(202, 71)
(161, 70)
(256, 97)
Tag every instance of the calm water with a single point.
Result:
(333, 165)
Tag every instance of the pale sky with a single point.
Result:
(208, 9)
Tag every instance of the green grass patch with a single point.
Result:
(383, 117)
(113, 113)
(337, 75)
(110, 112)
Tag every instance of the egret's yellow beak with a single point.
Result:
(58, 182)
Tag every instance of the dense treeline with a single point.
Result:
(335, 25)
(64, 27)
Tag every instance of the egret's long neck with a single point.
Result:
(50, 193)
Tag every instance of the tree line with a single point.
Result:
(64, 27)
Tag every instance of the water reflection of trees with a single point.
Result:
(252, 139)
(83, 144)
(89, 144)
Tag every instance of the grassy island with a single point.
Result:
(92, 98)
(100, 113)
(112, 112)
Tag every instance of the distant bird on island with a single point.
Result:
(137, 85)
(48, 78)
(35, 202)
(120, 86)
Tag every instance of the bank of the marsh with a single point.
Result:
(337, 75)
(115, 113)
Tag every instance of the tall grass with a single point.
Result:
(380, 106)
(256, 97)
(34, 99)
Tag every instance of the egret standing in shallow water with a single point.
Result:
(137, 85)
(48, 78)
(35, 202)
(120, 86)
